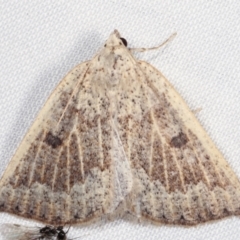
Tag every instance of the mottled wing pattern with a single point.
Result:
(180, 176)
(115, 137)
(65, 170)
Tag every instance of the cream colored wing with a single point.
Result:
(66, 169)
(180, 176)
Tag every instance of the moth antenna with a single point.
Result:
(87, 234)
(154, 48)
(68, 229)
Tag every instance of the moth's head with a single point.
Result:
(115, 40)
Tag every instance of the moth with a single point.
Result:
(16, 231)
(115, 138)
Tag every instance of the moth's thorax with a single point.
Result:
(113, 62)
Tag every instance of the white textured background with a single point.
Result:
(40, 41)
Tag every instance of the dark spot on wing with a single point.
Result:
(53, 141)
(180, 140)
